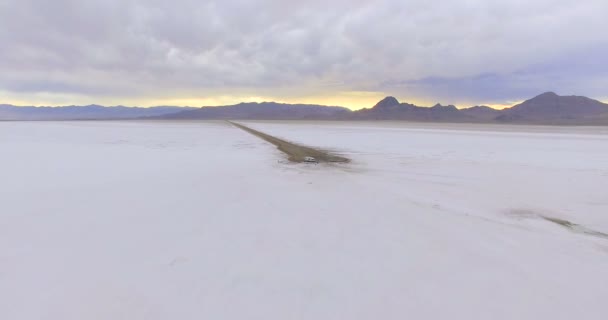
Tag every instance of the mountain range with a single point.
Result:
(547, 108)
(264, 111)
(90, 112)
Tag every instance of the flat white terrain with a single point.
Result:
(201, 220)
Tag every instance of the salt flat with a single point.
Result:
(195, 220)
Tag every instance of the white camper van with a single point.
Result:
(310, 159)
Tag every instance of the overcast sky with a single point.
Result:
(351, 53)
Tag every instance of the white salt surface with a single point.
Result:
(200, 220)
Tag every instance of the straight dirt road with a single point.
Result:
(296, 153)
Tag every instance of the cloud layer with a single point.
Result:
(150, 52)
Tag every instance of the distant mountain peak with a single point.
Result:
(480, 108)
(551, 107)
(387, 103)
(551, 96)
(448, 107)
(548, 94)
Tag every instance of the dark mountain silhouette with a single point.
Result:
(90, 112)
(390, 109)
(481, 112)
(263, 111)
(388, 103)
(552, 108)
(547, 108)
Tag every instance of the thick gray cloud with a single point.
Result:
(459, 51)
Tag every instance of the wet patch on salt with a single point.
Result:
(574, 227)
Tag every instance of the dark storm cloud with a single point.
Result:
(464, 50)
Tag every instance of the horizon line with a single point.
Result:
(493, 106)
